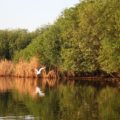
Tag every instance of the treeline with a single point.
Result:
(12, 41)
(85, 38)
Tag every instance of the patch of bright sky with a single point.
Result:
(31, 14)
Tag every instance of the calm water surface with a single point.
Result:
(63, 100)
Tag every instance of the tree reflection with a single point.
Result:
(67, 101)
(109, 104)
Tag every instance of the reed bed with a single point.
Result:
(51, 74)
(26, 69)
(6, 68)
(23, 69)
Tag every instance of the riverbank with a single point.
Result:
(23, 69)
(26, 69)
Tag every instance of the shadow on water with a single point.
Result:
(63, 100)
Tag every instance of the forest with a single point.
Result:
(83, 39)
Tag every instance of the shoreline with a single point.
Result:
(67, 78)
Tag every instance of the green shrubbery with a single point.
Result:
(84, 38)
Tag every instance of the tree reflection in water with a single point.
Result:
(65, 100)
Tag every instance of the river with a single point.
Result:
(63, 100)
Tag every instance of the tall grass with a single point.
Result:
(24, 69)
(51, 74)
(6, 68)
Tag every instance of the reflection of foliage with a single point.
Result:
(76, 102)
(45, 108)
(7, 103)
(65, 103)
(5, 99)
(109, 104)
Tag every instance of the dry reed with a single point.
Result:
(24, 69)
(6, 68)
(51, 74)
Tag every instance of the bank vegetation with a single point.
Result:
(84, 40)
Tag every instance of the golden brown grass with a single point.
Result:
(51, 74)
(24, 69)
(20, 69)
(6, 68)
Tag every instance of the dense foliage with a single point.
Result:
(14, 40)
(84, 38)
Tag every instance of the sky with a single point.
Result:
(31, 14)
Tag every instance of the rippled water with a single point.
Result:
(63, 100)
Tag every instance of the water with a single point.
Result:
(66, 100)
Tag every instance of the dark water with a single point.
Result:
(66, 100)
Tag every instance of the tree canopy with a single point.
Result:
(84, 38)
